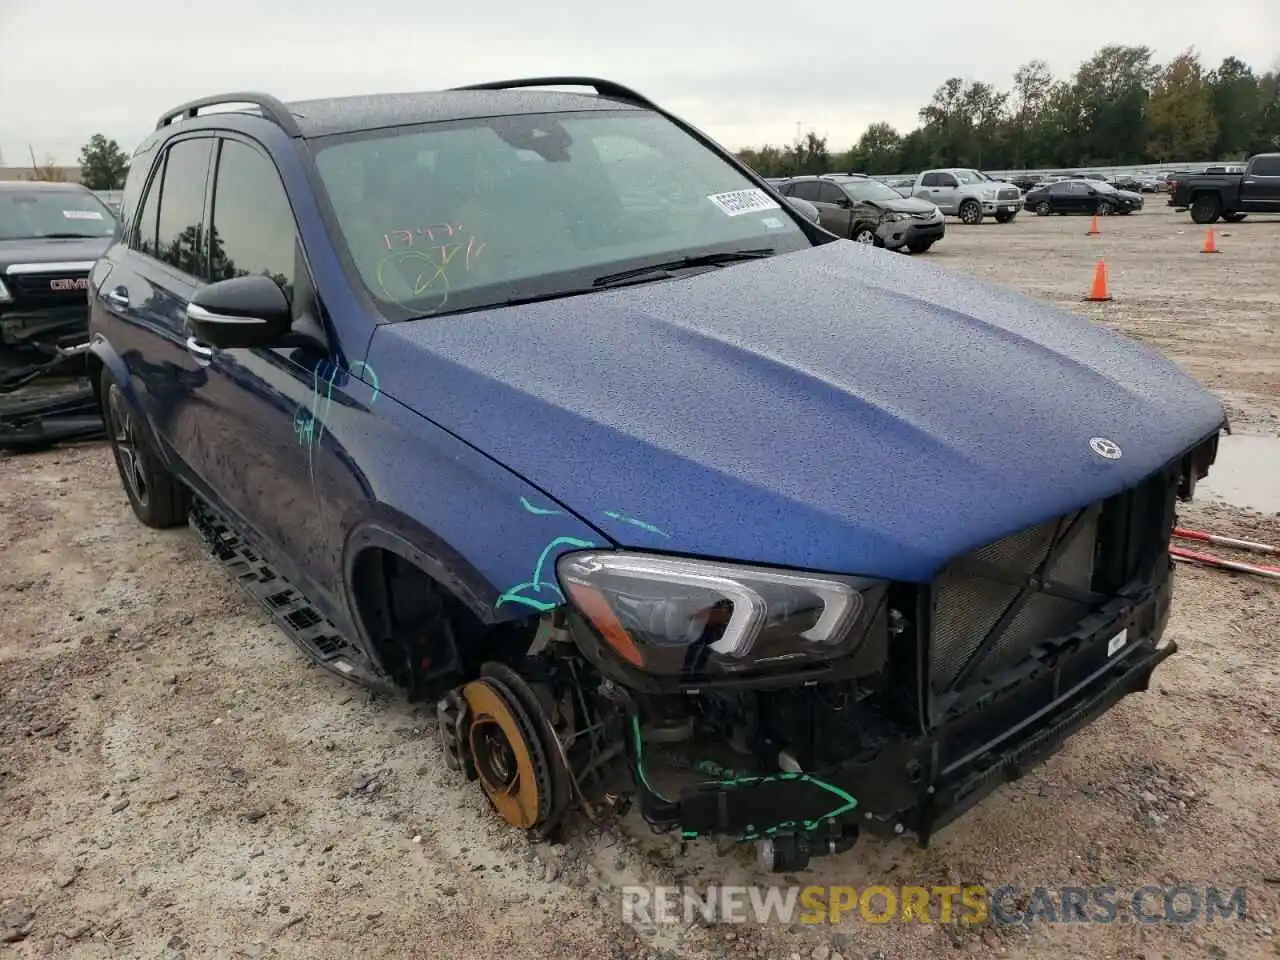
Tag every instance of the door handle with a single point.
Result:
(201, 351)
(119, 296)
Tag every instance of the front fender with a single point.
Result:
(483, 533)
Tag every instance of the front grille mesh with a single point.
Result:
(967, 605)
(1009, 194)
(34, 289)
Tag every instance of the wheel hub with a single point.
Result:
(509, 759)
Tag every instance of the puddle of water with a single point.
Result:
(1246, 473)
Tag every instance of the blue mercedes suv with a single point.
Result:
(540, 406)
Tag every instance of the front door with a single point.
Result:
(263, 410)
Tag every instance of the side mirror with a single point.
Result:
(844, 203)
(250, 311)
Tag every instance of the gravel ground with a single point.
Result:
(176, 782)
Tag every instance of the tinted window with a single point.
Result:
(830, 193)
(931, 180)
(1266, 166)
(806, 190)
(534, 205)
(253, 227)
(139, 167)
(31, 213)
(180, 238)
(144, 235)
(947, 180)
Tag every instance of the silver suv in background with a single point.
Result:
(968, 194)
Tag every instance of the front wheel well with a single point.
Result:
(426, 639)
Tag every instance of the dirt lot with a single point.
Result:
(175, 782)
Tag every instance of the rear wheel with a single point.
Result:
(158, 498)
(1206, 208)
(971, 212)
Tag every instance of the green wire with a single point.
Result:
(849, 804)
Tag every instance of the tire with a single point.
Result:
(1105, 209)
(1043, 209)
(971, 212)
(1206, 208)
(1234, 217)
(867, 235)
(158, 498)
(920, 246)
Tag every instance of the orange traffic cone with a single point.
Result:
(1093, 228)
(1098, 292)
(1210, 242)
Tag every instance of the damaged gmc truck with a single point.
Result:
(540, 407)
(50, 235)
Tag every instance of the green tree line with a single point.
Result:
(1119, 108)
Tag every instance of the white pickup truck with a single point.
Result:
(967, 194)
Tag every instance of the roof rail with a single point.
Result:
(605, 88)
(271, 108)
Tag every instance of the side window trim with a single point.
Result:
(155, 181)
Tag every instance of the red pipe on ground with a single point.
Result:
(1184, 534)
(1191, 556)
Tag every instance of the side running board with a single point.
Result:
(317, 637)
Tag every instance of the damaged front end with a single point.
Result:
(45, 395)
(796, 710)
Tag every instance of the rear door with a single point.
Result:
(153, 272)
(941, 189)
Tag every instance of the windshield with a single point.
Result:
(461, 215)
(48, 214)
(871, 190)
(969, 176)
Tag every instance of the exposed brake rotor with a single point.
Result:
(539, 703)
(507, 752)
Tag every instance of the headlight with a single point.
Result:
(675, 616)
(4, 293)
(893, 216)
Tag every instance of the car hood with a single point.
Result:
(1129, 195)
(839, 409)
(905, 205)
(51, 251)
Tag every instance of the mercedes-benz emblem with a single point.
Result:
(1107, 449)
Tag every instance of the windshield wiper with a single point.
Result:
(71, 236)
(700, 260)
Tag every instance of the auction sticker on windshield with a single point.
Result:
(82, 214)
(737, 202)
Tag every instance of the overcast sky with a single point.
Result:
(745, 72)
